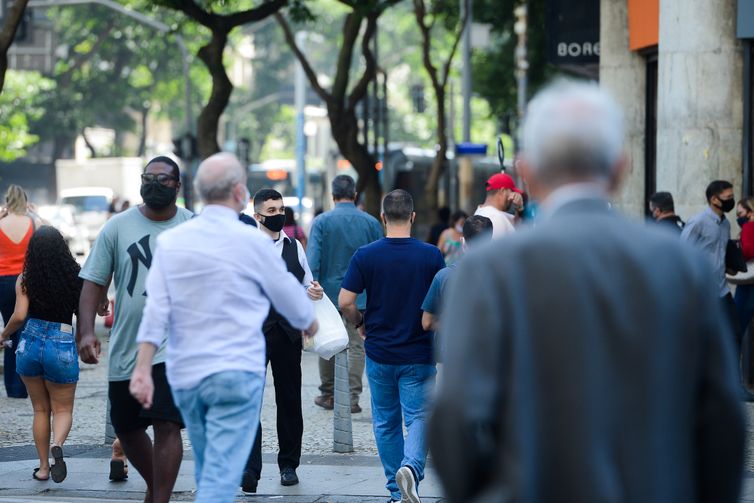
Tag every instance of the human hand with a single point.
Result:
(103, 308)
(142, 386)
(315, 291)
(89, 348)
(309, 332)
(517, 200)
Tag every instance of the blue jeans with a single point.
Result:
(13, 384)
(400, 393)
(48, 349)
(221, 416)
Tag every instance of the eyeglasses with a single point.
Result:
(162, 178)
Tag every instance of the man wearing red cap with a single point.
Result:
(501, 193)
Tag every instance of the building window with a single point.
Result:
(650, 136)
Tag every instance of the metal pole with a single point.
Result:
(300, 102)
(466, 9)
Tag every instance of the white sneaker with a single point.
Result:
(404, 477)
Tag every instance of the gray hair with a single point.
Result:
(573, 130)
(343, 187)
(216, 177)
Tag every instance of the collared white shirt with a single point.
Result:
(209, 288)
(301, 256)
(501, 225)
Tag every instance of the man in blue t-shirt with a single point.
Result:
(476, 228)
(396, 272)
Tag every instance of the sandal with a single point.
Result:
(34, 476)
(58, 470)
(118, 472)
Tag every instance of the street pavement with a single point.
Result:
(325, 476)
(356, 477)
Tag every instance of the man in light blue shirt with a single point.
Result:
(210, 288)
(334, 238)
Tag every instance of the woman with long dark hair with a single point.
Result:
(47, 294)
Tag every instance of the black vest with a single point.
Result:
(275, 319)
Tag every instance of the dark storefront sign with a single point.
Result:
(745, 25)
(573, 32)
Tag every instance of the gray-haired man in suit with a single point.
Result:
(594, 363)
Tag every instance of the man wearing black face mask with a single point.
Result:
(283, 349)
(123, 252)
(710, 231)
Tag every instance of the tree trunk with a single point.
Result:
(209, 119)
(440, 160)
(344, 128)
(88, 144)
(13, 17)
(143, 133)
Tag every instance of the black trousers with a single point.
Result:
(285, 357)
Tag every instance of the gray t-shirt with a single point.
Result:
(124, 249)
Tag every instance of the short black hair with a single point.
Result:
(443, 214)
(477, 226)
(715, 188)
(457, 215)
(397, 206)
(166, 160)
(263, 195)
(662, 201)
(343, 187)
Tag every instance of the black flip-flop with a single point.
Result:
(58, 470)
(118, 470)
(34, 476)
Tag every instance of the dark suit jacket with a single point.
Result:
(588, 361)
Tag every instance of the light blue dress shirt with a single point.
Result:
(209, 288)
(711, 234)
(333, 239)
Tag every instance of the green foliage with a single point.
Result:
(18, 105)
(494, 68)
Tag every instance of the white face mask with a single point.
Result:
(459, 229)
(245, 201)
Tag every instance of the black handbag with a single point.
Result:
(734, 257)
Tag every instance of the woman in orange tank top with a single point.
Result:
(16, 228)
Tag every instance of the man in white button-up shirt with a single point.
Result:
(210, 288)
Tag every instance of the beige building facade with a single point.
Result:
(678, 69)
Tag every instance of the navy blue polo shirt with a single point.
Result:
(396, 274)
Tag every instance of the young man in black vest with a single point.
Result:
(283, 349)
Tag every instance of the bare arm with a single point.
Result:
(142, 386)
(19, 313)
(429, 321)
(92, 295)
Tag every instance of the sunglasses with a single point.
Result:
(161, 178)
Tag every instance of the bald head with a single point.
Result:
(217, 178)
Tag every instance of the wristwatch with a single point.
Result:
(359, 324)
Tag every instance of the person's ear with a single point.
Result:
(618, 174)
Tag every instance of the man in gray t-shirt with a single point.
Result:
(123, 253)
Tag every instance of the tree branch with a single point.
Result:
(8, 32)
(193, 11)
(420, 11)
(251, 15)
(360, 89)
(351, 28)
(458, 37)
(308, 70)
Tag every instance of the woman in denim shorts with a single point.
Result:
(47, 295)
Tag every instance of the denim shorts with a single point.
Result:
(48, 349)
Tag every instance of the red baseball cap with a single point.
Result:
(502, 181)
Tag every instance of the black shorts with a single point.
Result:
(126, 413)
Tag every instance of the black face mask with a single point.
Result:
(158, 196)
(275, 222)
(742, 221)
(727, 204)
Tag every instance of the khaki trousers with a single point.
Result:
(355, 366)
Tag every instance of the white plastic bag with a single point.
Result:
(331, 338)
